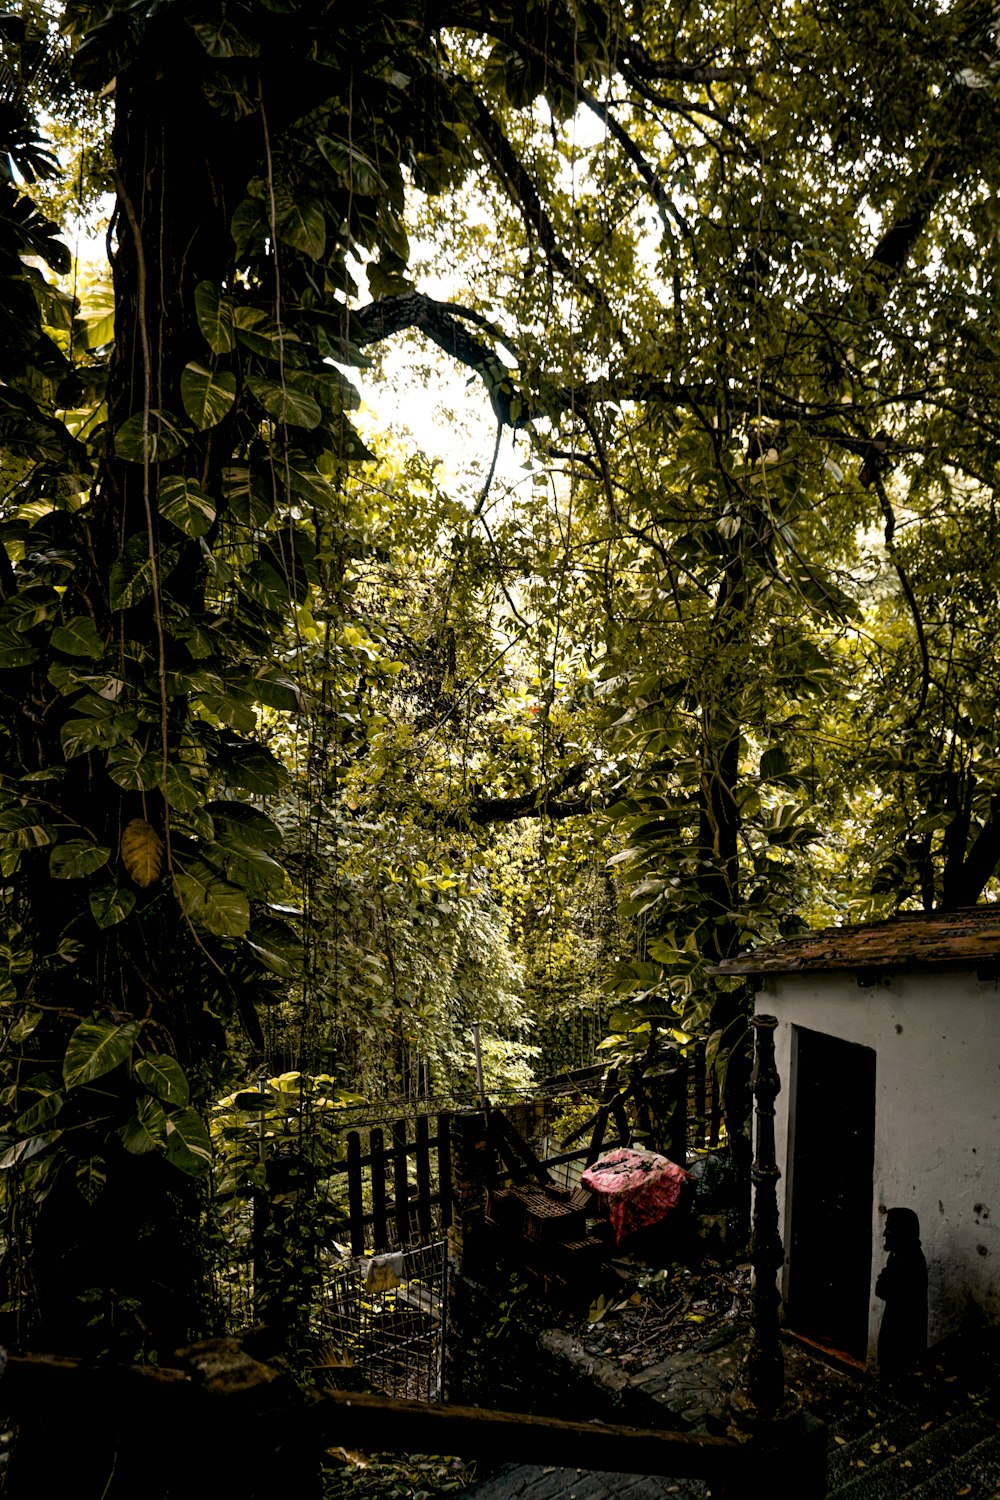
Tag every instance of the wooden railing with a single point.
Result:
(222, 1420)
(391, 1206)
(408, 1214)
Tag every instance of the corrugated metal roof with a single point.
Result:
(968, 935)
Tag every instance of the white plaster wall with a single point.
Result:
(936, 1036)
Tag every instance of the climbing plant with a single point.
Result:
(271, 698)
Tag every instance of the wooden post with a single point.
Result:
(765, 1362)
(444, 1167)
(355, 1197)
(423, 1164)
(400, 1181)
(380, 1226)
(471, 1167)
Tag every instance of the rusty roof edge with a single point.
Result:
(964, 935)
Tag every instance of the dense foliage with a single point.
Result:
(311, 755)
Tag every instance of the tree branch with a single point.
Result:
(541, 802)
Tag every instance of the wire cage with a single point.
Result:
(382, 1323)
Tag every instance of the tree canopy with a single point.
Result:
(313, 748)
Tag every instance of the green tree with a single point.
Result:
(747, 328)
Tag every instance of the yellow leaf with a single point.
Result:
(142, 852)
(966, 1491)
(840, 1440)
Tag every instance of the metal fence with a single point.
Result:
(381, 1324)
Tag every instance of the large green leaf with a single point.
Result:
(163, 1076)
(79, 736)
(334, 391)
(189, 1145)
(69, 679)
(252, 768)
(31, 606)
(215, 317)
(111, 904)
(78, 637)
(278, 947)
(260, 334)
(15, 650)
(250, 497)
(146, 1130)
(302, 225)
(23, 1151)
(254, 871)
(96, 1047)
(77, 857)
(184, 791)
(207, 395)
(242, 826)
(211, 902)
(131, 577)
(131, 768)
(161, 438)
(276, 689)
(24, 828)
(42, 1112)
(91, 1177)
(356, 170)
(186, 506)
(284, 403)
(249, 226)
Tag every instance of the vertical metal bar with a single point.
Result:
(380, 1227)
(423, 1178)
(765, 1362)
(355, 1196)
(444, 1168)
(399, 1182)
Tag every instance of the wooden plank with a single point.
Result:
(400, 1184)
(515, 1149)
(787, 1463)
(423, 1177)
(696, 1092)
(580, 1154)
(382, 1423)
(581, 1130)
(679, 1129)
(621, 1119)
(355, 1194)
(601, 1123)
(444, 1168)
(715, 1112)
(380, 1223)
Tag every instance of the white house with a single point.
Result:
(888, 1049)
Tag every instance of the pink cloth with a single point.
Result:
(634, 1189)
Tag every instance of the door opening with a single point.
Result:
(832, 1162)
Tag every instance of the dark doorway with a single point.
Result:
(832, 1153)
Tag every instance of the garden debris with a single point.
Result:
(635, 1189)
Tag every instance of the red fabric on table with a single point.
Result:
(634, 1189)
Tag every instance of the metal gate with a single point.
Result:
(382, 1323)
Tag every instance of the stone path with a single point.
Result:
(526, 1482)
(936, 1440)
